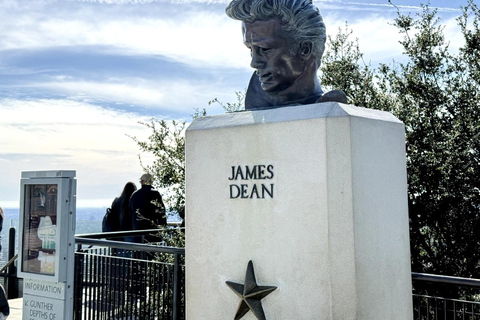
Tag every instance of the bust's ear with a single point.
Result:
(305, 49)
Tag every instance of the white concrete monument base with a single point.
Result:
(315, 196)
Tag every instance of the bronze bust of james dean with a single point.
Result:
(286, 39)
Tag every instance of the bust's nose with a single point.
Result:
(256, 62)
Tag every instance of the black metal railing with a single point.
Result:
(438, 297)
(8, 272)
(124, 280)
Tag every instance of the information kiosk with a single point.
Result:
(47, 222)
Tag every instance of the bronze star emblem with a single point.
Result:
(251, 294)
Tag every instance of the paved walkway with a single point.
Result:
(16, 306)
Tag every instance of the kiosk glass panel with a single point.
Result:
(40, 226)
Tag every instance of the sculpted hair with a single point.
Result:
(300, 20)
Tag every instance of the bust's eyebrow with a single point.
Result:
(257, 40)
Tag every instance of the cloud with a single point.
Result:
(121, 2)
(63, 135)
(345, 5)
(145, 84)
(194, 35)
(176, 96)
(379, 40)
(371, 36)
(161, 98)
(140, 92)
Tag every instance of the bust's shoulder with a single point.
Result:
(333, 96)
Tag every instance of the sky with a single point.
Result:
(77, 77)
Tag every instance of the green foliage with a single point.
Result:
(171, 237)
(200, 112)
(229, 107)
(167, 145)
(344, 68)
(435, 93)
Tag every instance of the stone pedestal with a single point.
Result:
(315, 196)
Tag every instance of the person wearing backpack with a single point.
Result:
(118, 216)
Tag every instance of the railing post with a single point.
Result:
(176, 288)
(12, 286)
(78, 287)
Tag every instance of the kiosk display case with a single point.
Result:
(46, 243)
(48, 224)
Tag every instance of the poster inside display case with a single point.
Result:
(40, 229)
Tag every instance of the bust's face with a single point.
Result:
(276, 67)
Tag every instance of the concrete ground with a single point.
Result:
(16, 306)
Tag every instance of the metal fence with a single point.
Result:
(433, 297)
(123, 280)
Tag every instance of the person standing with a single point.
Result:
(4, 306)
(119, 218)
(146, 208)
(148, 212)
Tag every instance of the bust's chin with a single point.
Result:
(271, 87)
(266, 94)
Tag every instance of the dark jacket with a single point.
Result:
(147, 209)
(120, 221)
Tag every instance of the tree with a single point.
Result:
(435, 93)
(167, 146)
(343, 68)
